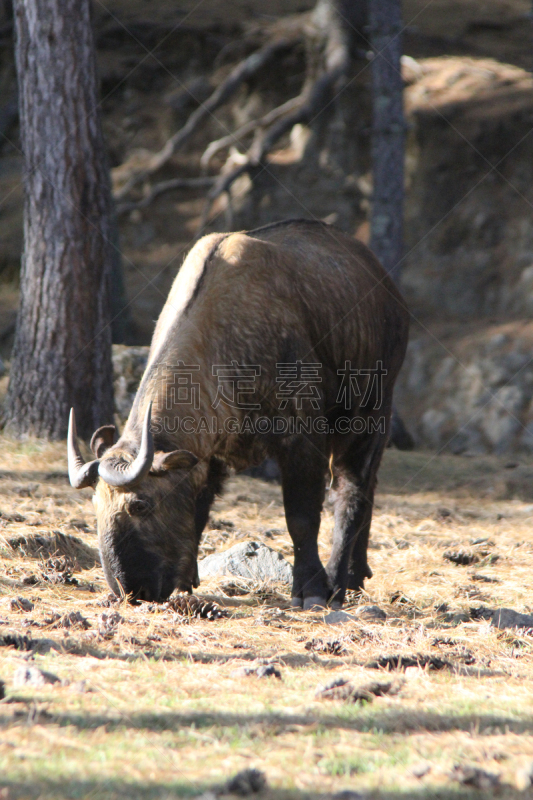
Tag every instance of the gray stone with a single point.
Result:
(33, 676)
(338, 618)
(371, 614)
(507, 618)
(481, 403)
(247, 560)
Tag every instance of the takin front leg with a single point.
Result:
(303, 483)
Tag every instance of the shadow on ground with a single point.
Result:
(116, 790)
(364, 719)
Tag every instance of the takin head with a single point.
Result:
(145, 512)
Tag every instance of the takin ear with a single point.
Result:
(103, 439)
(177, 459)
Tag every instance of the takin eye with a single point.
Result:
(139, 507)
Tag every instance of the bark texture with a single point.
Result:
(388, 134)
(62, 351)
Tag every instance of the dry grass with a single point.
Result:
(158, 706)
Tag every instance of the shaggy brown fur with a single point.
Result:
(289, 292)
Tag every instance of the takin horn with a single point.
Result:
(123, 475)
(80, 474)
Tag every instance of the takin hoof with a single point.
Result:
(309, 603)
(316, 603)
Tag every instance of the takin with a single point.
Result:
(285, 342)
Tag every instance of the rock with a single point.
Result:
(507, 618)
(2, 368)
(371, 614)
(338, 618)
(479, 403)
(33, 676)
(247, 560)
(249, 781)
(2, 690)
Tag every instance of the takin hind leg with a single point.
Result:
(303, 482)
(354, 480)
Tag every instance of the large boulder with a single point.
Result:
(471, 392)
(247, 560)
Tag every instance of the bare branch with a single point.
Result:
(263, 122)
(242, 72)
(307, 106)
(165, 186)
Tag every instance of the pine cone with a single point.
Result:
(192, 606)
(58, 569)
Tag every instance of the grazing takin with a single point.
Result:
(285, 342)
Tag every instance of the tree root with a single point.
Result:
(300, 110)
(328, 46)
(250, 127)
(242, 72)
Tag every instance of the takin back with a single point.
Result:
(284, 342)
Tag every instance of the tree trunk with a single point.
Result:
(388, 134)
(62, 351)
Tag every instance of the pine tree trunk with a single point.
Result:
(62, 351)
(388, 134)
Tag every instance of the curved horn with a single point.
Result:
(80, 474)
(124, 475)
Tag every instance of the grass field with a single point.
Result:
(158, 705)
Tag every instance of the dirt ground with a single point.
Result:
(155, 704)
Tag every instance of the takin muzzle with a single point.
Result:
(145, 513)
